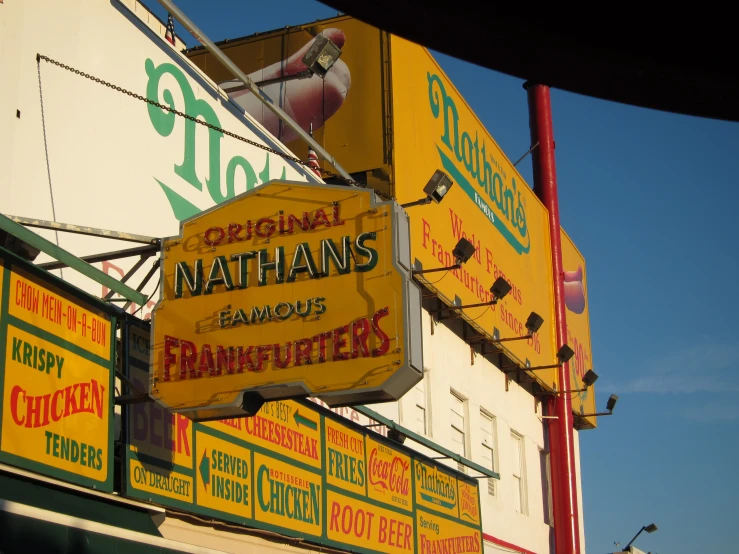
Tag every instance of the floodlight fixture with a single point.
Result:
(321, 56)
(500, 288)
(395, 436)
(435, 189)
(589, 378)
(609, 407)
(563, 355)
(461, 254)
(651, 528)
(534, 322)
(612, 404)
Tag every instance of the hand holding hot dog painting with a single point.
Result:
(310, 100)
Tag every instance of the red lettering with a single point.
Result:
(188, 355)
(264, 227)
(339, 342)
(14, 400)
(233, 232)
(169, 357)
(381, 335)
(218, 231)
(319, 218)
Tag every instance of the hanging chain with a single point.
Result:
(195, 120)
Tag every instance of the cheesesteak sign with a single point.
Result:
(287, 290)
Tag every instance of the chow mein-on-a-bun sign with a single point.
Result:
(287, 290)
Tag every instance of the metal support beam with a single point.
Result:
(77, 229)
(390, 424)
(145, 280)
(69, 259)
(116, 255)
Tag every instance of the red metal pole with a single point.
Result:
(561, 439)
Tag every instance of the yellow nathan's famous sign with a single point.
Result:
(490, 205)
(288, 290)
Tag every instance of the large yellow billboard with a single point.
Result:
(578, 330)
(489, 204)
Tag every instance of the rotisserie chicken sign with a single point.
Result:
(287, 290)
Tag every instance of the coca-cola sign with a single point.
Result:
(389, 475)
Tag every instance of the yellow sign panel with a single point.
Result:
(489, 204)
(578, 330)
(224, 476)
(48, 310)
(367, 525)
(56, 406)
(437, 535)
(346, 467)
(350, 96)
(279, 427)
(287, 496)
(289, 289)
(388, 475)
(435, 489)
(155, 480)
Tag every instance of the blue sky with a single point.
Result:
(649, 199)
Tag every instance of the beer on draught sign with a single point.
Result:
(286, 290)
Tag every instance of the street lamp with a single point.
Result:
(651, 528)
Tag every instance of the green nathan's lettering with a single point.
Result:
(238, 168)
(492, 182)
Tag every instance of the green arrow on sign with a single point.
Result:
(309, 423)
(205, 469)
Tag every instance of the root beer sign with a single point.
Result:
(300, 470)
(288, 290)
(56, 377)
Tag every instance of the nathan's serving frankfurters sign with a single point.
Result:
(57, 351)
(288, 290)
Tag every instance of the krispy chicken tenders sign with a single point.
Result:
(56, 377)
(288, 290)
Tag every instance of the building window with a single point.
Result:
(546, 486)
(489, 448)
(519, 473)
(459, 427)
(419, 421)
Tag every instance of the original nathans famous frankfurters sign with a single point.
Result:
(287, 290)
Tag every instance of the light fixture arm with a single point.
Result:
(451, 267)
(420, 202)
(564, 391)
(597, 414)
(535, 368)
(626, 548)
(454, 308)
